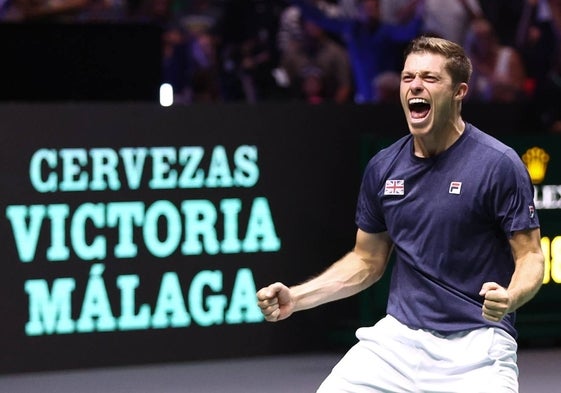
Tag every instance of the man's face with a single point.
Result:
(427, 93)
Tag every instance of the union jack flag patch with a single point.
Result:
(394, 187)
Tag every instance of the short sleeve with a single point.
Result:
(513, 195)
(369, 214)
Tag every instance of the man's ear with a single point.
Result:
(461, 91)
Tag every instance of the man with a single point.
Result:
(457, 207)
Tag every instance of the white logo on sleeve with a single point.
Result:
(455, 187)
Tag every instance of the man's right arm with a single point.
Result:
(356, 271)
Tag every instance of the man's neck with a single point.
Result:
(438, 141)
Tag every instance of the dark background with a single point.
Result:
(80, 62)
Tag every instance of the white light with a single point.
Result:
(166, 95)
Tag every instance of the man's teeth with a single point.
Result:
(417, 101)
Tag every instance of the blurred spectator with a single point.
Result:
(289, 34)
(504, 16)
(290, 27)
(64, 11)
(548, 97)
(536, 38)
(205, 85)
(247, 68)
(200, 16)
(398, 11)
(249, 53)
(45, 10)
(386, 87)
(159, 12)
(373, 46)
(391, 11)
(191, 66)
(318, 59)
(172, 38)
(498, 71)
(339, 8)
(10, 11)
(191, 59)
(312, 86)
(450, 19)
(105, 11)
(555, 6)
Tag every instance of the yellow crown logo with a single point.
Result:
(536, 160)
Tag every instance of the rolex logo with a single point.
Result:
(536, 160)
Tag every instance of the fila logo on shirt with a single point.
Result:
(455, 187)
(394, 187)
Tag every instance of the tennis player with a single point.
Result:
(456, 206)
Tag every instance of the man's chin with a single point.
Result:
(419, 126)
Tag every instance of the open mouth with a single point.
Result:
(419, 108)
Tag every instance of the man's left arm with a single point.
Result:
(525, 282)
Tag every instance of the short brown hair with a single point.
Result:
(458, 64)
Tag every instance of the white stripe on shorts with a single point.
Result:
(392, 358)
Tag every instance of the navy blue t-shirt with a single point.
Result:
(450, 217)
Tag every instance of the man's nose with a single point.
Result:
(417, 83)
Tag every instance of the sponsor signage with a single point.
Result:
(141, 234)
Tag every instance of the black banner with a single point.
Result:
(134, 233)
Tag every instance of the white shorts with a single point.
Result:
(390, 357)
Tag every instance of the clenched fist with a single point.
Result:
(276, 302)
(496, 301)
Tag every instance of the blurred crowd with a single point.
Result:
(341, 51)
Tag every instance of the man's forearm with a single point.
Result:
(346, 277)
(526, 280)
